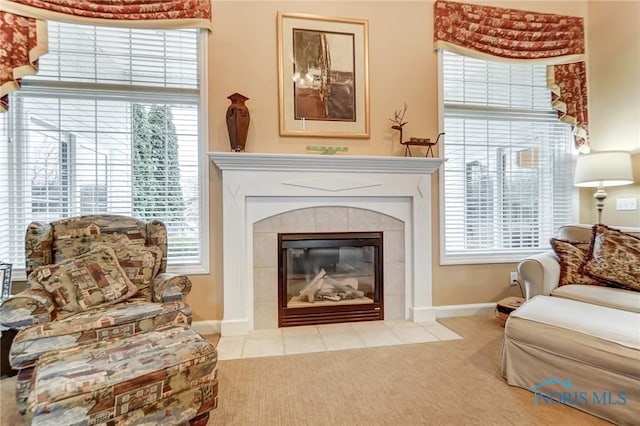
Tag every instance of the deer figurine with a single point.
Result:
(398, 120)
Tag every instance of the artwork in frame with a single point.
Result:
(323, 72)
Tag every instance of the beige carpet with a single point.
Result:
(453, 382)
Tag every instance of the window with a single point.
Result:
(110, 124)
(507, 182)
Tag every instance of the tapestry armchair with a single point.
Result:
(91, 278)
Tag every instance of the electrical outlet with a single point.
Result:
(626, 203)
(514, 278)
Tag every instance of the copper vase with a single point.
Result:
(238, 121)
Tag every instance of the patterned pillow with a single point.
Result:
(614, 258)
(572, 255)
(141, 263)
(92, 279)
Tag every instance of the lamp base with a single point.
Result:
(600, 196)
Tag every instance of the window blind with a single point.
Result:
(508, 177)
(110, 124)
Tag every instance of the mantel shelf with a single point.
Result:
(316, 162)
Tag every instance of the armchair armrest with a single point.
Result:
(169, 287)
(541, 273)
(27, 308)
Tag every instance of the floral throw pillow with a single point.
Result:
(572, 255)
(141, 263)
(92, 279)
(614, 258)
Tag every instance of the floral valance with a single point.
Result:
(568, 85)
(23, 41)
(23, 33)
(495, 33)
(483, 31)
(132, 13)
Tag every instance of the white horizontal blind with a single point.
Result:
(108, 125)
(508, 177)
(133, 57)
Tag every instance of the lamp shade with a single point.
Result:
(604, 168)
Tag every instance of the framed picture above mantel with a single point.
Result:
(323, 76)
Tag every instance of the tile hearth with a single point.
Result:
(331, 337)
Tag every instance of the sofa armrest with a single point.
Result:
(27, 308)
(169, 287)
(540, 272)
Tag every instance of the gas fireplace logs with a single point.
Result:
(323, 287)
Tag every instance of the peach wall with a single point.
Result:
(403, 68)
(614, 99)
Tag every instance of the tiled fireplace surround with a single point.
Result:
(264, 194)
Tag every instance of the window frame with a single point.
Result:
(198, 268)
(470, 257)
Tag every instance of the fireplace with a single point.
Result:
(329, 277)
(259, 190)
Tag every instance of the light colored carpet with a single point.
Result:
(454, 382)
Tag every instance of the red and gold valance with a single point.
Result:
(132, 13)
(24, 37)
(486, 32)
(23, 41)
(478, 31)
(568, 84)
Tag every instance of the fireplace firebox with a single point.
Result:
(329, 278)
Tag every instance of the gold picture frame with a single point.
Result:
(323, 76)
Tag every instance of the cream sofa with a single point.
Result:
(575, 344)
(541, 274)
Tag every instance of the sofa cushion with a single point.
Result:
(594, 321)
(614, 258)
(571, 256)
(141, 263)
(616, 298)
(92, 279)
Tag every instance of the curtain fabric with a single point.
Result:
(486, 32)
(24, 36)
(22, 41)
(568, 84)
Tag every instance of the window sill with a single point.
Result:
(488, 258)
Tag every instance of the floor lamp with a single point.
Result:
(602, 169)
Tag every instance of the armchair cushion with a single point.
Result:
(141, 263)
(614, 258)
(102, 323)
(89, 280)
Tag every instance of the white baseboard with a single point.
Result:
(464, 310)
(206, 327)
(215, 326)
(231, 328)
(422, 314)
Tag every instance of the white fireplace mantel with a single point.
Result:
(256, 186)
